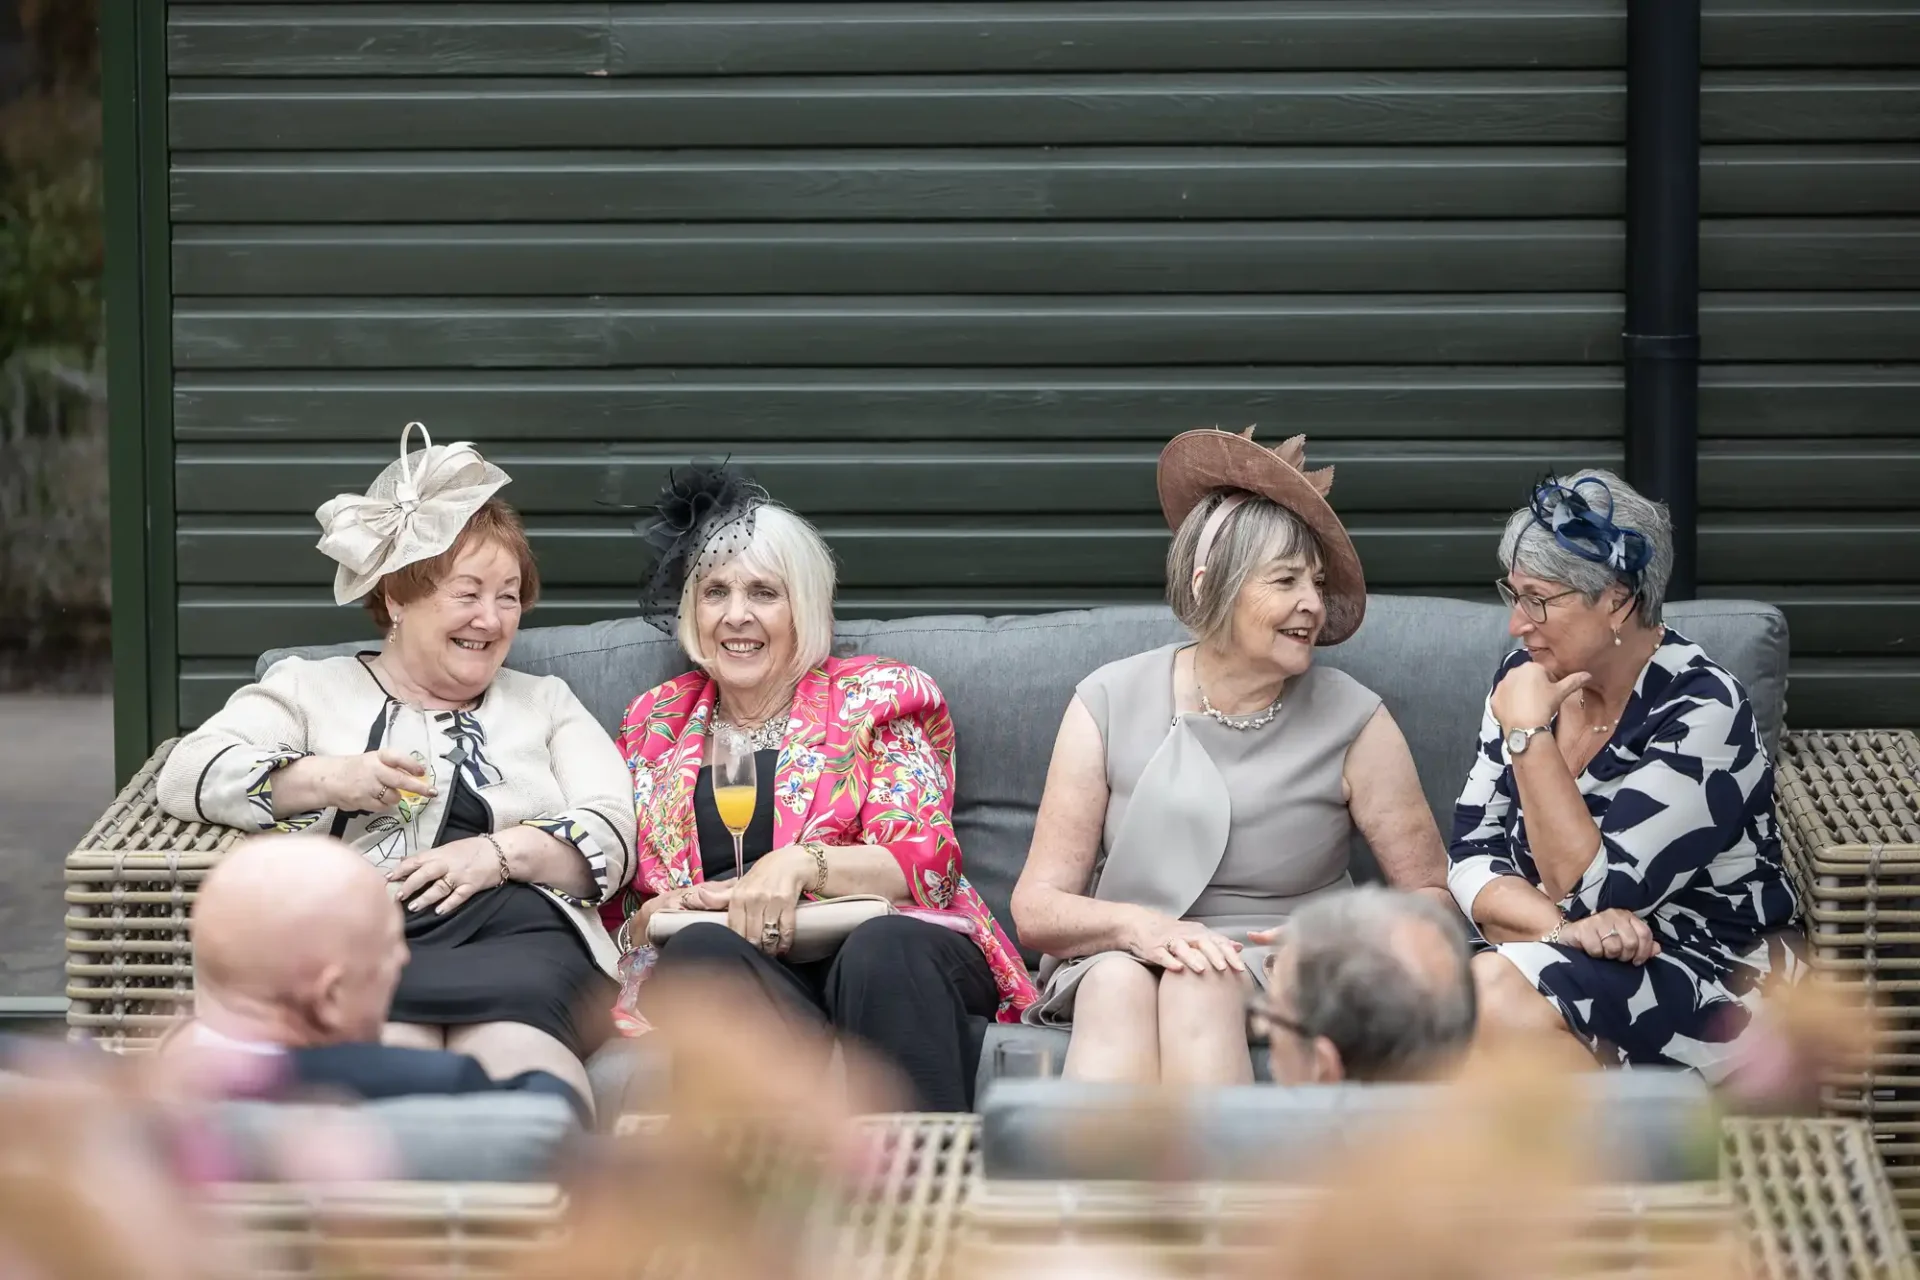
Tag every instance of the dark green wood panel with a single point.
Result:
(998, 185)
(1810, 253)
(1809, 326)
(639, 39)
(1835, 475)
(1316, 108)
(1795, 400)
(388, 39)
(961, 258)
(1853, 693)
(1091, 479)
(1869, 621)
(586, 333)
(632, 39)
(1808, 106)
(880, 405)
(1124, 183)
(1417, 329)
(1861, 179)
(1073, 551)
(1810, 33)
(1073, 258)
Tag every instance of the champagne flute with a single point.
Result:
(736, 789)
(418, 745)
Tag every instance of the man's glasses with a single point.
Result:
(1536, 606)
(1262, 1021)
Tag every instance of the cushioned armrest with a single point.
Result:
(490, 1137)
(1656, 1127)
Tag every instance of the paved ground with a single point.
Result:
(56, 775)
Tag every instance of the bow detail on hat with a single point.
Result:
(414, 511)
(1578, 524)
(1293, 452)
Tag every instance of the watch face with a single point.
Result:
(1517, 742)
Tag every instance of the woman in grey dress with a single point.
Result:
(1200, 793)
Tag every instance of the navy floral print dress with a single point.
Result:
(1683, 797)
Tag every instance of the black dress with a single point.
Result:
(505, 955)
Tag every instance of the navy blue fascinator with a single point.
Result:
(1580, 518)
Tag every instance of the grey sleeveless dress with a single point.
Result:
(1230, 828)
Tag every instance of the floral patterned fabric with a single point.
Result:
(868, 758)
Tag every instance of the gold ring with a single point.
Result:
(447, 881)
(380, 796)
(1611, 933)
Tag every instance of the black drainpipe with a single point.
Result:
(1662, 338)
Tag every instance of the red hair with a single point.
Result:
(494, 522)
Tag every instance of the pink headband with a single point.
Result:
(1210, 530)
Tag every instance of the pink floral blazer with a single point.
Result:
(868, 758)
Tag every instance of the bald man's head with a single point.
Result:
(296, 939)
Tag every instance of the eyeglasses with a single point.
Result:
(1262, 1021)
(1536, 606)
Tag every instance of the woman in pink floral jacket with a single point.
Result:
(855, 771)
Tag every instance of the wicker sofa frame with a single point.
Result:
(1823, 1193)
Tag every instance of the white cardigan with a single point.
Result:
(529, 751)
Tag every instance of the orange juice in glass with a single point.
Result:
(735, 790)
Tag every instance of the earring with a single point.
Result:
(1616, 638)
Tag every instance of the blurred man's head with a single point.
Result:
(296, 941)
(1369, 984)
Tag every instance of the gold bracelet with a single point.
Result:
(1553, 935)
(819, 852)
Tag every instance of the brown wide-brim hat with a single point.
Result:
(1197, 463)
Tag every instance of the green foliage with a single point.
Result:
(51, 251)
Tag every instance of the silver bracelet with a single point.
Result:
(506, 872)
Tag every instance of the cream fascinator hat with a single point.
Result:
(415, 510)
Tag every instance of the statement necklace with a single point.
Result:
(769, 735)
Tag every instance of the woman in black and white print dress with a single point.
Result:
(1615, 839)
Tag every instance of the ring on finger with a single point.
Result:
(380, 796)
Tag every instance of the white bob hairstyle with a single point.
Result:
(788, 549)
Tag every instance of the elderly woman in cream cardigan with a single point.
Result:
(498, 807)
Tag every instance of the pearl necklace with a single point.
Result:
(1246, 723)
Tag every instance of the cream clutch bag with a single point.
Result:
(818, 927)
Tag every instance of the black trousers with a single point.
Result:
(912, 992)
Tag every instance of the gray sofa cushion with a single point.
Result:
(1660, 1127)
(1009, 679)
(482, 1137)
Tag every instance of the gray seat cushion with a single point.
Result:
(1009, 679)
(482, 1137)
(1660, 1127)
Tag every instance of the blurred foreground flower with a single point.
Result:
(1808, 1034)
(732, 1158)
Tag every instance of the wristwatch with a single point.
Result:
(1517, 739)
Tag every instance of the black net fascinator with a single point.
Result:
(1580, 518)
(703, 517)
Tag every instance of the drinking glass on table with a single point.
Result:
(736, 788)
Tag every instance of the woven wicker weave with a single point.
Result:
(1850, 823)
(1815, 1201)
(130, 886)
(387, 1229)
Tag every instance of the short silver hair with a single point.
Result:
(786, 548)
(1258, 531)
(1532, 550)
(1352, 987)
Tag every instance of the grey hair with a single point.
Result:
(1258, 531)
(1352, 987)
(1533, 551)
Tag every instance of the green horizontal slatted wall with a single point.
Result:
(946, 274)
